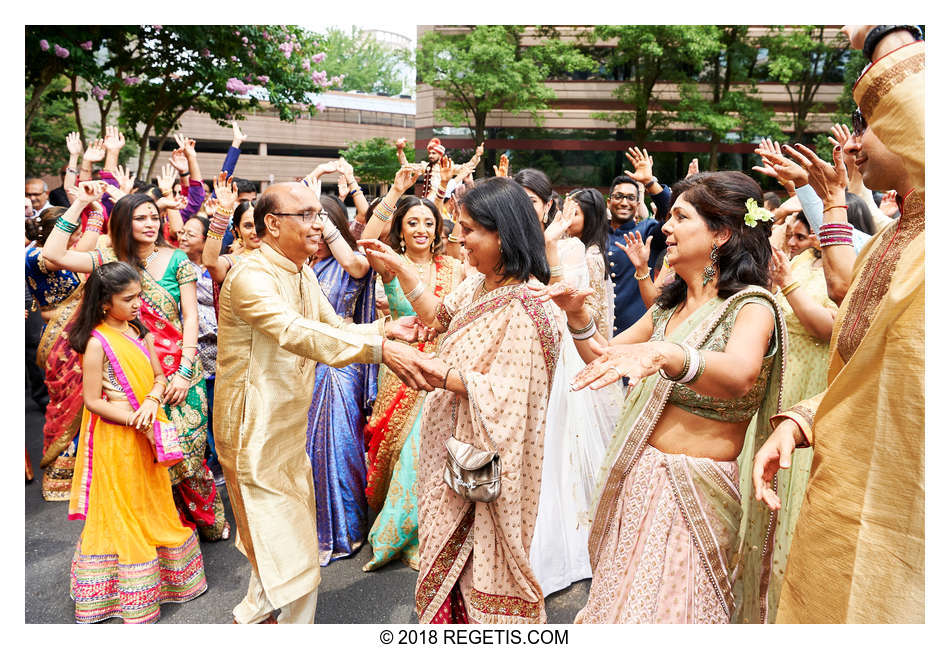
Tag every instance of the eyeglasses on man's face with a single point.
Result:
(307, 217)
(858, 123)
(617, 196)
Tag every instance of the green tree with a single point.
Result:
(728, 102)
(802, 58)
(374, 160)
(363, 62)
(46, 135)
(487, 68)
(154, 74)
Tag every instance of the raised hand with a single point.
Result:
(401, 143)
(405, 178)
(642, 163)
(780, 268)
(479, 150)
(312, 180)
(828, 181)
(237, 137)
(114, 140)
(179, 161)
(779, 166)
(74, 144)
(95, 152)
(841, 134)
(185, 144)
(345, 168)
(91, 191)
(857, 34)
(502, 168)
(126, 179)
(166, 179)
(446, 169)
(341, 187)
(210, 206)
(889, 204)
(226, 191)
(693, 167)
(637, 250)
(561, 222)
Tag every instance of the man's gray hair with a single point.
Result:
(38, 180)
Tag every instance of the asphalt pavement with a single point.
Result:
(347, 594)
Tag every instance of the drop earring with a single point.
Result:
(709, 272)
(402, 245)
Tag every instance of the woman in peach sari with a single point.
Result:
(494, 367)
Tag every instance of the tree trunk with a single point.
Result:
(75, 98)
(479, 136)
(714, 152)
(143, 150)
(33, 105)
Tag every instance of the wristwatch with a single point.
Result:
(651, 183)
(875, 35)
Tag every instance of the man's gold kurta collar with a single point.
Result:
(278, 259)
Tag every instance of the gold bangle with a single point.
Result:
(791, 287)
(153, 398)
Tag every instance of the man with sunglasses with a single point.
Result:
(858, 548)
(623, 202)
(274, 325)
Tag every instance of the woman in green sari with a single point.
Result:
(668, 530)
(170, 312)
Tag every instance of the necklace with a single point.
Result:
(148, 260)
(424, 270)
(482, 290)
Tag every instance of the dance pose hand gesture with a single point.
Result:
(642, 165)
(775, 454)
(125, 177)
(637, 250)
(74, 144)
(384, 254)
(781, 268)
(829, 182)
(96, 152)
(635, 361)
(226, 191)
(776, 165)
(502, 168)
(406, 177)
(693, 167)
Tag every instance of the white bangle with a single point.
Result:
(415, 293)
(694, 362)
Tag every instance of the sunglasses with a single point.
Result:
(858, 123)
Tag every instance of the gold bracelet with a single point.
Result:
(640, 278)
(153, 398)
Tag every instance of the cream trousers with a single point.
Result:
(255, 606)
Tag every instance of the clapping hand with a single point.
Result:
(637, 250)
(95, 152)
(74, 144)
(642, 163)
(502, 169)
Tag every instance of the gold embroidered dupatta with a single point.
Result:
(694, 484)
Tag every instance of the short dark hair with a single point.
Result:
(624, 180)
(771, 200)
(500, 205)
(859, 214)
(104, 282)
(267, 203)
(243, 185)
(120, 228)
(719, 197)
(405, 204)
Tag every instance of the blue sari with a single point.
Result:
(341, 397)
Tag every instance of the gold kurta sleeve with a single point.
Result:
(256, 300)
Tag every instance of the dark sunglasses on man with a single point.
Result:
(858, 123)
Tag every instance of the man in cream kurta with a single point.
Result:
(274, 325)
(857, 554)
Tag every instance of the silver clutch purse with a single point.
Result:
(472, 473)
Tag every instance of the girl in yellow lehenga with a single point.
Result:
(134, 553)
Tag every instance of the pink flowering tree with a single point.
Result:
(151, 75)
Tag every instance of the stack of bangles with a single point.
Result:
(219, 222)
(440, 193)
(330, 232)
(66, 226)
(836, 234)
(454, 239)
(95, 220)
(693, 367)
(585, 332)
(557, 270)
(791, 287)
(384, 211)
(354, 191)
(415, 293)
(186, 371)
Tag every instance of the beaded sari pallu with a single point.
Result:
(134, 553)
(506, 343)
